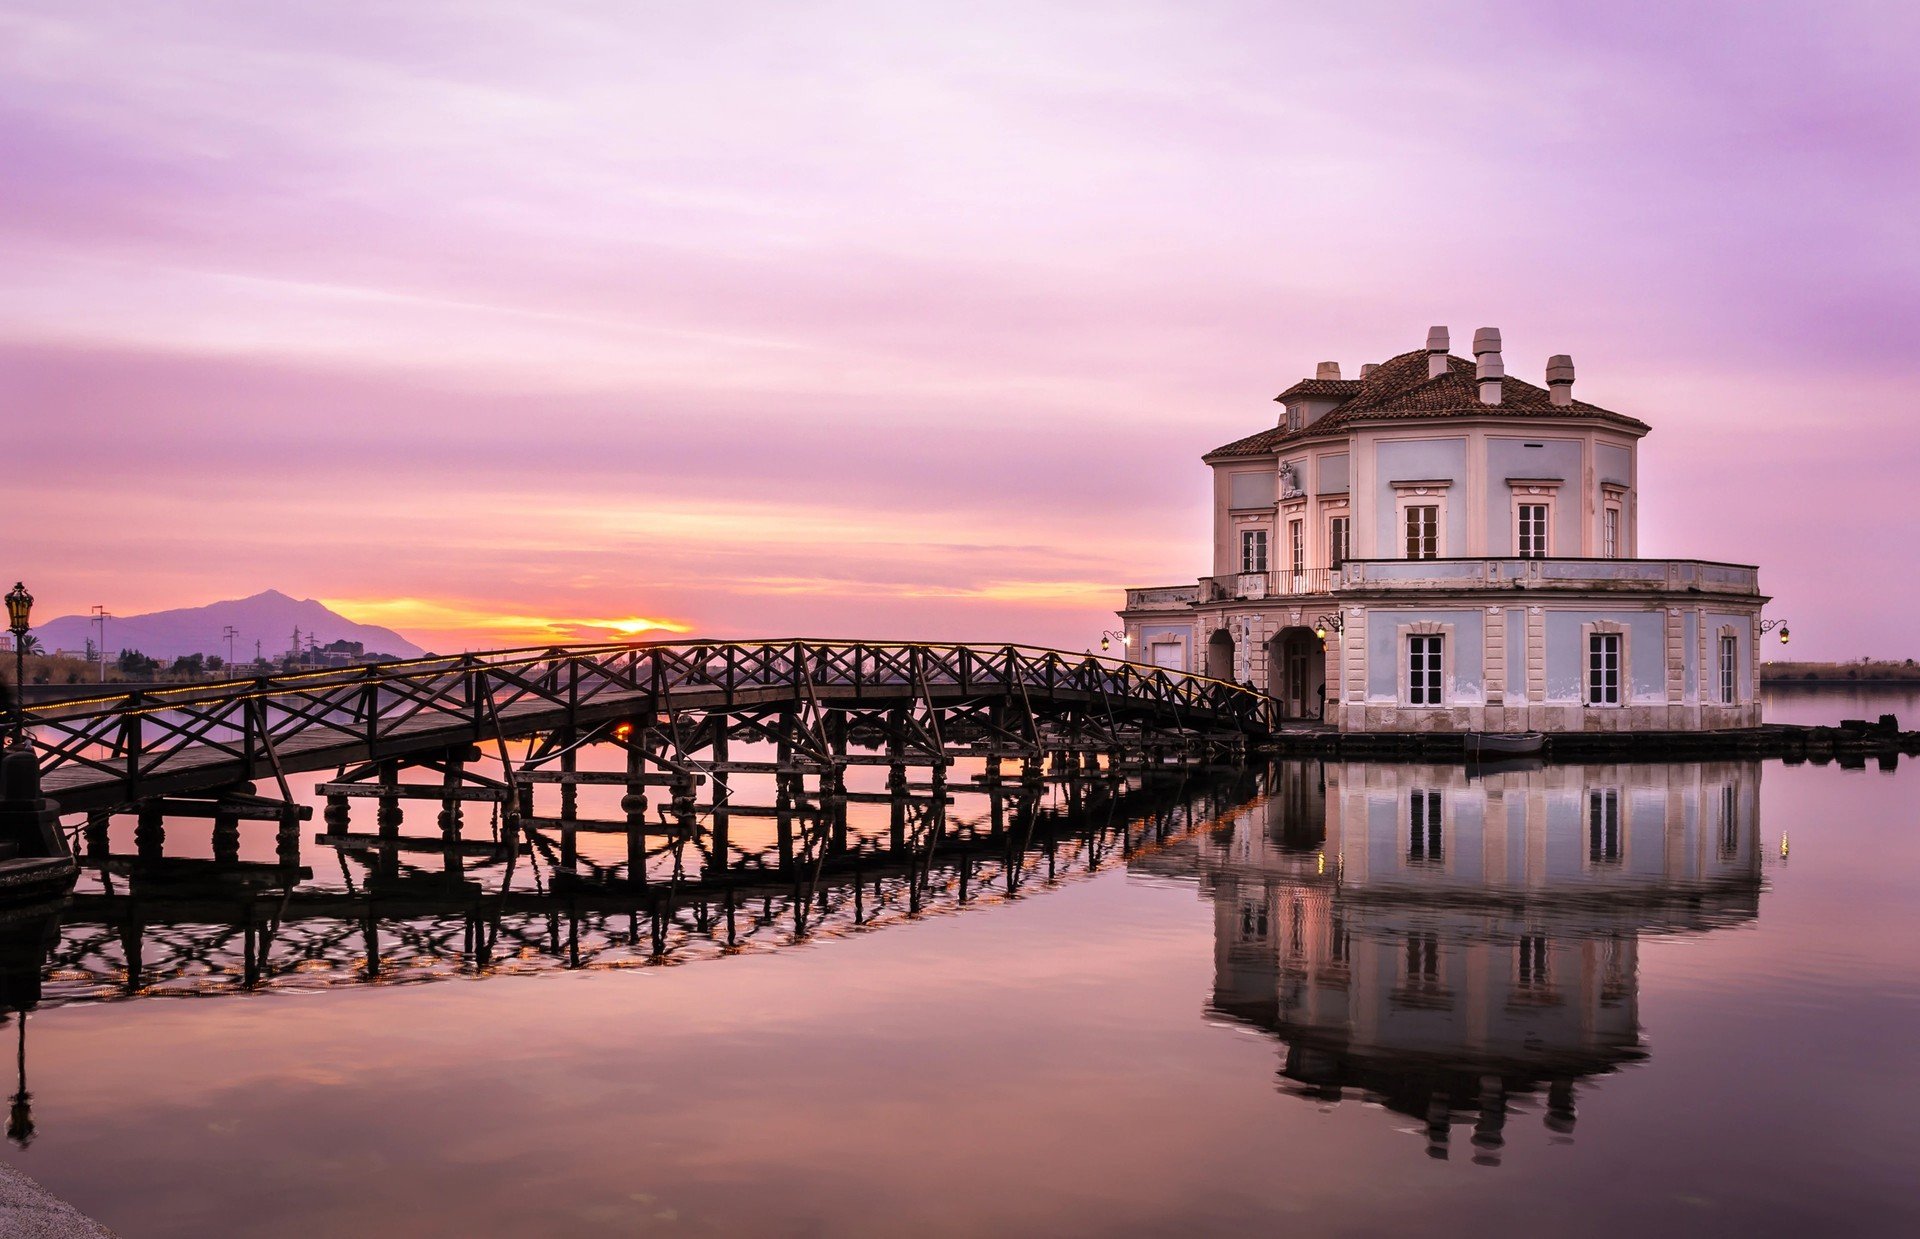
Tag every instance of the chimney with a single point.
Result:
(1328, 370)
(1486, 352)
(1368, 369)
(1437, 346)
(1560, 379)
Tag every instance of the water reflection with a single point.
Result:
(1462, 948)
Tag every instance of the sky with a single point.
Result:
(502, 322)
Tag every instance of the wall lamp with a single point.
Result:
(1335, 622)
(1770, 625)
(1107, 639)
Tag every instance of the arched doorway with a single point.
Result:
(1297, 673)
(1220, 655)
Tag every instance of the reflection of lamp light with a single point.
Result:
(622, 731)
(20, 1114)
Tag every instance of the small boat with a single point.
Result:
(1502, 744)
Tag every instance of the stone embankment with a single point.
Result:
(1852, 743)
(29, 1211)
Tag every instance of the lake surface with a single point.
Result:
(1339, 998)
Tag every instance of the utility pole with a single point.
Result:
(230, 633)
(100, 617)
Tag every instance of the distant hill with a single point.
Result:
(268, 618)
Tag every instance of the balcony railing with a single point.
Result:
(1162, 596)
(1603, 575)
(1257, 585)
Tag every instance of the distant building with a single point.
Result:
(1437, 546)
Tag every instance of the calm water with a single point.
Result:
(1583, 1000)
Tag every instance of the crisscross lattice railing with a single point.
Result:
(300, 718)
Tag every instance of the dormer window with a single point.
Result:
(1296, 417)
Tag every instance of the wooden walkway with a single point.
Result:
(107, 752)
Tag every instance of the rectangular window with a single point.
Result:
(1253, 550)
(1533, 972)
(1603, 825)
(1296, 534)
(1532, 533)
(1293, 417)
(1338, 946)
(1423, 670)
(1337, 541)
(1423, 961)
(1729, 668)
(1425, 843)
(1610, 533)
(1603, 669)
(1423, 531)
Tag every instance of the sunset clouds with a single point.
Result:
(908, 320)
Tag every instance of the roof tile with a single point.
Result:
(1400, 389)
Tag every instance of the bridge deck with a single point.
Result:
(205, 737)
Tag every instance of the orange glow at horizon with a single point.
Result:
(475, 626)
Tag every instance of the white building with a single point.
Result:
(1437, 546)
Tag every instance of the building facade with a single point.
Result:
(1438, 546)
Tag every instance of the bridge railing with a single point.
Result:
(131, 737)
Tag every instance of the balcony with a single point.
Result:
(1585, 575)
(1156, 597)
(1253, 586)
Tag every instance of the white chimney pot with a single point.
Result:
(1560, 379)
(1489, 368)
(1437, 346)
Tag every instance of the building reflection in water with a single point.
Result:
(1460, 947)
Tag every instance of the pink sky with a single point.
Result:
(912, 320)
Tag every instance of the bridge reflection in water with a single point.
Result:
(1456, 947)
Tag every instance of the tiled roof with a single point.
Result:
(1321, 387)
(1400, 389)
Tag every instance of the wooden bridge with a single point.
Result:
(673, 705)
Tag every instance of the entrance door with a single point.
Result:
(1171, 655)
(1296, 661)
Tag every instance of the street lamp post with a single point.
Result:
(19, 613)
(100, 617)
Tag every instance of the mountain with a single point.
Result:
(268, 618)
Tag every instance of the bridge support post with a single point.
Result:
(388, 817)
(150, 834)
(287, 839)
(718, 843)
(98, 821)
(634, 806)
(226, 837)
(337, 815)
(450, 813)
